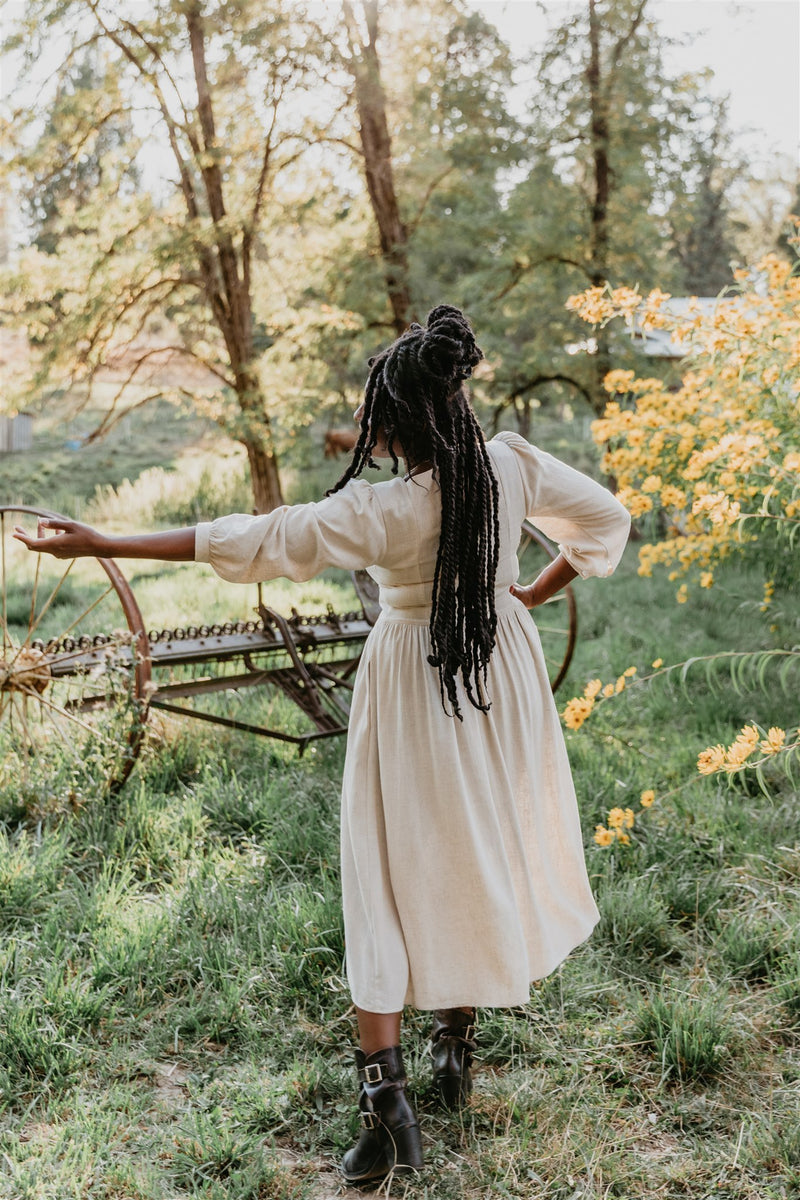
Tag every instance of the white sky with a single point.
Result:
(753, 49)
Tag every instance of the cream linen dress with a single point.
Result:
(463, 873)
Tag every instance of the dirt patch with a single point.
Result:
(39, 1132)
(169, 1082)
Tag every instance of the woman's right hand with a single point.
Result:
(68, 539)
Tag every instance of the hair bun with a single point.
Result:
(449, 348)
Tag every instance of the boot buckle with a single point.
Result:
(373, 1073)
(469, 1033)
(370, 1120)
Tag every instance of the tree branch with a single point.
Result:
(519, 271)
(624, 41)
(431, 188)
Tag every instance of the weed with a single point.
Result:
(689, 1036)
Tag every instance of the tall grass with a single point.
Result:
(174, 1018)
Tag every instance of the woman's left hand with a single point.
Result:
(526, 594)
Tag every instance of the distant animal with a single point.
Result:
(340, 441)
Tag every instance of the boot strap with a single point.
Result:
(465, 1034)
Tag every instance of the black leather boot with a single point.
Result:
(390, 1141)
(452, 1047)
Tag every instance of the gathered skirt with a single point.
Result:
(463, 872)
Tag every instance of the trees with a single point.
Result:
(699, 219)
(363, 62)
(609, 133)
(433, 79)
(273, 261)
(222, 85)
(62, 173)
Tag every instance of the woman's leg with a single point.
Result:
(390, 1141)
(377, 1031)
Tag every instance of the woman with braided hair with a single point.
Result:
(463, 875)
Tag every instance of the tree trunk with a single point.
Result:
(598, 218)
(599, 101)
(523, 410)
(376, 146)
(264, 477)
(225, 271)
(255, 434)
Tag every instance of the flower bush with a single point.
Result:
(718, 457)
(712, 464)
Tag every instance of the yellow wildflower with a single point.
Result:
(707, 579)
(618, 381)
(620, 685)
(592, 688)
(603, 836)
(656, 298)
(636, 503)
(749, 735)
(739, 751)
(673, 497)
(652, 484)
(616, 818)
(608, 690)
(623, 837)
(576, 711)
(774, 740)
(629, 672)
(627, 300)
(647, 798)
(682, 594)
(711, 760)
(659, 662)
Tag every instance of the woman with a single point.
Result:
(463, 875)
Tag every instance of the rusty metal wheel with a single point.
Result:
(557, 620)
(74, 672)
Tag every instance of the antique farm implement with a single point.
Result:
(80, 672)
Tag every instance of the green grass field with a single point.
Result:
(174, 1020)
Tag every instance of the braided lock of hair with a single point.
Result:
(415, 394)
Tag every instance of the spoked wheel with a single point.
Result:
(557, 619)
(74, 672)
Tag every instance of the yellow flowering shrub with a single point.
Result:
(719, 456)
(713, 464)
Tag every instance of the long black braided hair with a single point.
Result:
(415, 396)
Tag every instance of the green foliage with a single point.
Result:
(688, 1036)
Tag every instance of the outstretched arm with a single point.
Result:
(552, 579)
(71, 539)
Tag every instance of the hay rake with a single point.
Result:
(80, 673)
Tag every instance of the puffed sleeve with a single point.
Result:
(589, 525)
(343, 530)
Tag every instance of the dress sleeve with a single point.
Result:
(297, 542)
(590, 525)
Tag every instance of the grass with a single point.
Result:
(174, 1020)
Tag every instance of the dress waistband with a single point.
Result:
(412, 602)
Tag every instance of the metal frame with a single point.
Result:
(311, 660)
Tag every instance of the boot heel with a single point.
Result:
(407, 1149)
(453, 1091)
